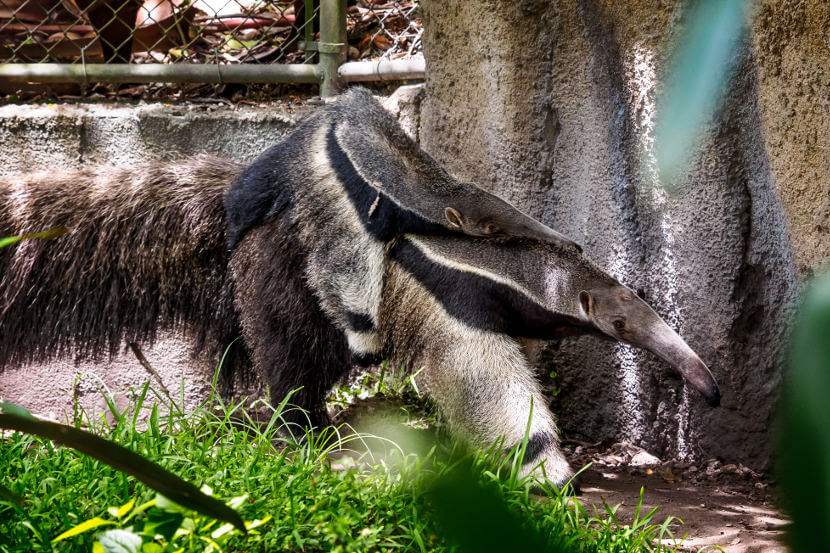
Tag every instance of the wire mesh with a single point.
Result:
(150, 31)
(384, 29)
(196, 31)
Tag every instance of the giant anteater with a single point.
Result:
(146, 251)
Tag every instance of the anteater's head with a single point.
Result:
(617, 312)
(479, 213)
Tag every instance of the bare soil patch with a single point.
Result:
(725, 505)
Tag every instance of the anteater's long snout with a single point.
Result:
(699, 375)
(544, 233)
(676, 352)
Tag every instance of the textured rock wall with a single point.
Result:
(551, 104)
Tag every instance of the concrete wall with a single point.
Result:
(552, 104)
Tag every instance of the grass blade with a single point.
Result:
(53, 233)
(84, 527)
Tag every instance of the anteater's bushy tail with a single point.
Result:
(145, 252)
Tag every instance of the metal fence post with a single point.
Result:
(332, 46)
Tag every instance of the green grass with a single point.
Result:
(387, 504)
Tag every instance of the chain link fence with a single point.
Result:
(187, 32)
(386, 30)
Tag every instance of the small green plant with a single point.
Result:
(399, 384)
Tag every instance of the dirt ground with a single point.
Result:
(725, 505)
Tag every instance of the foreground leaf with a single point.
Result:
(804, 424)
(120, 541)
(699, 70)
(477, 519)
(53, 233)
(83, 527)
(9, 496)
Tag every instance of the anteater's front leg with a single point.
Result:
(293, 344)
(484, 387)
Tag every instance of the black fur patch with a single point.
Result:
(359, 322)
(536, 445)
(479, 301)
(260, 192)
(382, 218)
(294, 344)
(368, 359)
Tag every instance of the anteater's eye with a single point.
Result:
(619, 325)
(491, 228)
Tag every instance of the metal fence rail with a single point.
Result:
(209, 41)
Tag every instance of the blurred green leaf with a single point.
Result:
(121, 458)
(83, 527)
(478, 520)
(53, 233)
(804, 423)
(698, 72)
(9, 496)
(15, 410)
(164, 523)
(120, 541)
(119, 512)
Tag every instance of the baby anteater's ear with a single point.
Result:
(587, 303)
(454, 217)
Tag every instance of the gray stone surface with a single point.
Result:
(72, 135)
(551, 104)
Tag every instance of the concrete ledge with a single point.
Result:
(58, 136)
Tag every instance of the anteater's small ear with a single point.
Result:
(587, 303)
(454, 217)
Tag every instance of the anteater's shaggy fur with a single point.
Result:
(146, 251)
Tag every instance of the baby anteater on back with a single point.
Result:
(350, 181)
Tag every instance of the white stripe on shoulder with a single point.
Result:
(436, 257)
(383, 149)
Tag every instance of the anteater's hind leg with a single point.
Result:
(292, 342)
